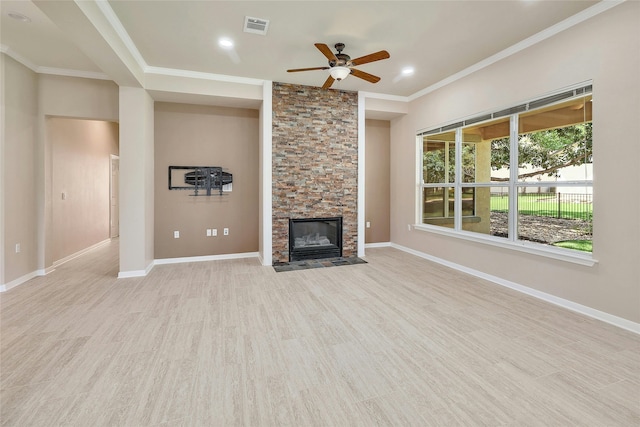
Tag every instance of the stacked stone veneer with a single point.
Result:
(315, 161)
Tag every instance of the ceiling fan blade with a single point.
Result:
(383, 54)
(326, 52)
(327, 84)
(295, 70)
(365, 76)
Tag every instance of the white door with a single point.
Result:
(115, 179)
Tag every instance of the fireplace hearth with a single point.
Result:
(315, 238)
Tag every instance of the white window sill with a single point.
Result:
(567, 255)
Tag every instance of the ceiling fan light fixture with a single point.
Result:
(340, 73)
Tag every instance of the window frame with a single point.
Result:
(513, 185)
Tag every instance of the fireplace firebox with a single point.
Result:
(315, 238)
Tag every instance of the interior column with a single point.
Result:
(136, 182)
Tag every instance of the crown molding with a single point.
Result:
(385, 96)
(52, 70)
(21, 59)
(113, 20)
(576, 19)
(121, 32)
(73, 73)
(176, 72)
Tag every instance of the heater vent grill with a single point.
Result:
(255, 25)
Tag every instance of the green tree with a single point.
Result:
(546, 151)
(434, 164)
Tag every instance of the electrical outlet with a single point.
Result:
(17, 248)
(214, 232)
(409, 227)
(176, 234)
(226, 231)
(368, 224)
(208, 232)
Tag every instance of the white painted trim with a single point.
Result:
(51, 70)
(73, 73)
(378, 245)
(3, 178)
(576, 19)
(361, 173)
(266, 257)
(521, 246)
(132, 273)
(206, 258)
(385, 96)
(176, 72)
(19, 281)
(45, 271)
(117, 26)
(79, 253)
(136, 273)
(21, 59)
(512, 104)
(113, 20)
(419, 193)
(561, 302)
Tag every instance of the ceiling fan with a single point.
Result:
(341, 65)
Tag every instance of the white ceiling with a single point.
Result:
(437, 38)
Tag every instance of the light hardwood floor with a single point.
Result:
(397, 341)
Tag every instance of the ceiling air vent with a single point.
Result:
(255, 25)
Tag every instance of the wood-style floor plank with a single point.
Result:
(396, 341)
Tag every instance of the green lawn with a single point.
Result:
(578, 245)
(542, 205)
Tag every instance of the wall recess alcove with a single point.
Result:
(187, 134)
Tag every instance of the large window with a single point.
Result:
(523, 174)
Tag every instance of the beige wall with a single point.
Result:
(192, 135)
(17, 154)
(377, 180)
(81, 152)
(605, 49)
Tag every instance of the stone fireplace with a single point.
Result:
(315, 162)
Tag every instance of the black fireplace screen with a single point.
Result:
(315, 238)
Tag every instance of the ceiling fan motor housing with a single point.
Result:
(344, 60)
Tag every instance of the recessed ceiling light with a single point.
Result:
(407, 71)
(19, 16)
(225, 43)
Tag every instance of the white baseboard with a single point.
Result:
(19, 281)
(262, 261)
(136, 273)
(131, 273)
(570, 305)
(79, 253)
(206, 258)
(377, 245)
(45, 271)
(26, 278)
(50, 269)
